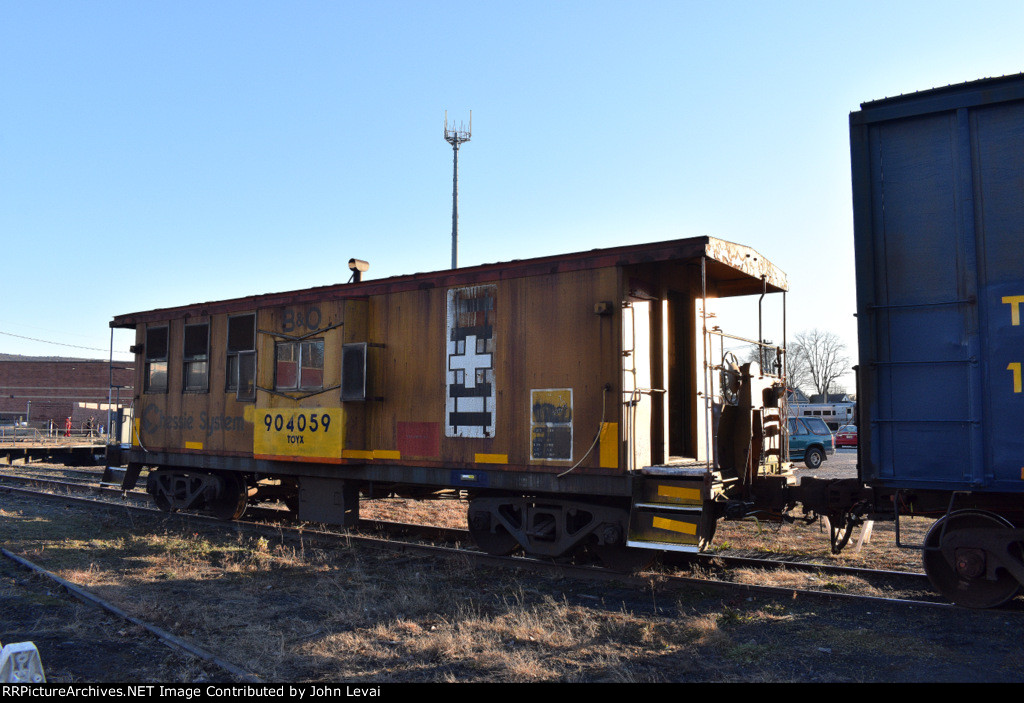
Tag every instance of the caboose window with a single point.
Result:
(299, 365)
(241, 357)
(196, 357)
(156, 360)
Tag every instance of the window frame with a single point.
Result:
(298, 346)
(816, 430)
(233, 358)
(149, 360)
(195, 359)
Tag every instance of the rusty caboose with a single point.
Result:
(576, 401)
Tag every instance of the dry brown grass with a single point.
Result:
(443, 512)
(295, 610)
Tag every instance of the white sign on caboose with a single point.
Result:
(470, 362)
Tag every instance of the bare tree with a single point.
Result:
(798, 374)
(817, 358)
(767, 357)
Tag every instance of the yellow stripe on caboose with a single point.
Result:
(692, 494)
(608, 451)
(356, 454)
(663, 523)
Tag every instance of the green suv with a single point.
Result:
(810, 439)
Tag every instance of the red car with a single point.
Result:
(846, 436)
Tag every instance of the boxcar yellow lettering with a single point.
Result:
(1014, 302)
(1015, 368)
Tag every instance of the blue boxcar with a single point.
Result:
(938, 183)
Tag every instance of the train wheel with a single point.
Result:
(230, 505)
(161, 502)
(497, 542)
(964, 580)
(158, 487)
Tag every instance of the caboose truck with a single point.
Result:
(572, 399)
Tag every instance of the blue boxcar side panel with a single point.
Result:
(999, 187)
(939, 224)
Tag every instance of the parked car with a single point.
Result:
(810, 439)
(846, 436)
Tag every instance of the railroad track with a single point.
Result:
(728, 558)
(167, 638)
(716, 571)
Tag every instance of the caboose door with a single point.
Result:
(636, 383)
(644, 374)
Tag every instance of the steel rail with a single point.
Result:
(164, 636)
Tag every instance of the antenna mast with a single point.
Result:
(455, 137)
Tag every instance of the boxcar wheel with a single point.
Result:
(964, 582)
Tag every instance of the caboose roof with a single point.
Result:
(734, 269)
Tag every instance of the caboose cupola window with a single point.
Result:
(196, 357)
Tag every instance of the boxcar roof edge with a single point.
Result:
(984, 91)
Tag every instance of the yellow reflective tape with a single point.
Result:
(678, 492)
(356, 454)
(663, 523)
(193, 445)
(491, 458)
(609, 450)
(387, 454)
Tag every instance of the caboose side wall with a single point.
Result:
(193, 421)
(548, 338)
(306, 424)
(558, 341)
(551, 393)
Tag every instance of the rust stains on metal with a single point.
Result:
(748, 261)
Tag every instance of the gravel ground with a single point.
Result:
(842, 464)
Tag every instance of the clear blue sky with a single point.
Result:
(161, 153)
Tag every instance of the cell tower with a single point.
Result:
(455, 137)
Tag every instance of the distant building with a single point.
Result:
(41, 390)
(795, 396)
